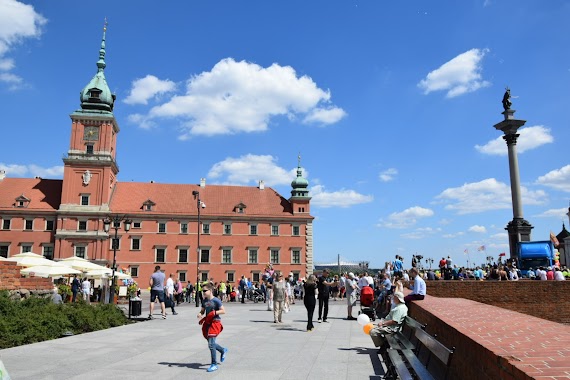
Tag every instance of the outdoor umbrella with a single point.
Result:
(80, 264)
(49, 271)
(29, 259)
(106, 272)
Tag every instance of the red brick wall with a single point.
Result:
(542, 299)
(10, 279)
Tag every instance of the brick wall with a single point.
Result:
(542, 299)
(11, 280)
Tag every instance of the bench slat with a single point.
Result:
(434, 346)
(417, 365)
(399, 365)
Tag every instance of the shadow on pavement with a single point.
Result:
(186, 365)
(374, 359)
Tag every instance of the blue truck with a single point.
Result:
(534, 254)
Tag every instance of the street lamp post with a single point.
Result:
(116, 221)
(199, 205)
(430, 261)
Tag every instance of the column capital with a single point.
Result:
(511, 139)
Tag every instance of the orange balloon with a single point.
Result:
(367, 328)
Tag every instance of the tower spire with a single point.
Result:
(101, 62)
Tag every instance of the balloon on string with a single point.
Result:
(367, 328)
(363, 319)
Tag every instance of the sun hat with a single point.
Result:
(399, 296)
(351, 275)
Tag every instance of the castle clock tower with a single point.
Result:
(90, 170)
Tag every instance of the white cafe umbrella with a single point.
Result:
(49, 271)
(80, 264)
(29, 259)
(106, 272)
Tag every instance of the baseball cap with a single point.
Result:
(400, 296)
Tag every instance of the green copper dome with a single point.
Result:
(300, 184)
(97, 94)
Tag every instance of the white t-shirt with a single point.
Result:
(362, 282)
(543, 275)
(370, 280)
(170, 286)
(86, 285)
(558, 276)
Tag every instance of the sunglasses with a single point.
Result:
(205, 290)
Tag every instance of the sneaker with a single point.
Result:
(351, 318)
(325, 321)
(163, 316)
(223, 357)
(319, 320)
(174, 313)
(213, 368)
(150, 316)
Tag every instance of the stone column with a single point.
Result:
(519, 229)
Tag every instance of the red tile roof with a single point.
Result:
(220, 200)
(44, 194)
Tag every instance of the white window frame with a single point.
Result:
(230, 226)
(231, 254)
(165, 228)
(139, 238)
(206, 226)
(249, 252)
(79, 225)
(26, 224)
(251, 226)
(46, 225)
(298, 226)
(136, 269)
(50, 245)
(233, 274)
(7, 245)
(187, 255)
(135, 222)
(278, 261)
(80, 246)
(87, 196)
(275, 226)
(187, 227)
(24, 247)
(204, 276)
(300, 255)
(255, 276)
(179, 275)
(156, 254)
(9, 220)
(202, 249)
(111, 238)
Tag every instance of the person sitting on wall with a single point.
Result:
(418, 289)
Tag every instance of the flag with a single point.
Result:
(481, 248)
(466, 251)
(502, 254)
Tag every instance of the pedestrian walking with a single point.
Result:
(279, 295)
(310, 290)
(211, 323)
(157, 291)
(324, 294)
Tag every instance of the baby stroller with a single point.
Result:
(367, 302)
(257, 295)
(233, 296)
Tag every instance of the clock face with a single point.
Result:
(91, 133)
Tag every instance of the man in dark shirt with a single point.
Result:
(323, 287)
(75, 285)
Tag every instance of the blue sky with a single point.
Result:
(391, 105)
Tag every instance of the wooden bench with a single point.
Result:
(404, 356)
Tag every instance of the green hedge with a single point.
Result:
(37, 319)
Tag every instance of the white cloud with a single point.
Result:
(486, 195)
(558, 179)
(342, 198)
(451, 236)
(241, 97)
(252, 168)
(459, 76)
(18, 21)
(530, 138)
(406, 218)
(420, 233)
(388, 175)
(555, 213)
(324, 116)
(478, 229)
(32, 170)
(501, 236)
(147, 88)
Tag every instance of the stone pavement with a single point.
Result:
(175, 349)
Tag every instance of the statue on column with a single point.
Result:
(507, 99)
(86, 177)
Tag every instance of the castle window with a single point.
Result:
(89, 149)
(6, 224)
(29, 226)
(148, 205)
(85, 200)
(296, 231)
(253, 229)
(22, 201)
(252, 256)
